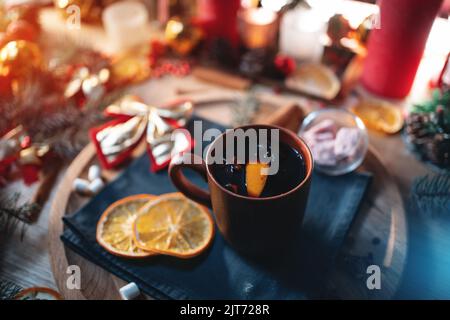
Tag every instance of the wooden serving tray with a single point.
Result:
(377, 236)
(379, 230)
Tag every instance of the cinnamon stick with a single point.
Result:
(289, 116)
(221, 78)
(46, 183)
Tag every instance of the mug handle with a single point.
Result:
(190, 190)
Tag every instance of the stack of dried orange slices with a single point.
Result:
(144, 225)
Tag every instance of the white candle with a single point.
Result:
(301, 34)
(126, 24)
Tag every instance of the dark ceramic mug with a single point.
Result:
(251, 225)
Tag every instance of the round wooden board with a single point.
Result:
(377, 236)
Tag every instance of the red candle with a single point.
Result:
(396, 47)
(218, 18)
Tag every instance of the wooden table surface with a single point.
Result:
(26, 262)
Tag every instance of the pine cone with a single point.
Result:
(439, 150)
(418, 128)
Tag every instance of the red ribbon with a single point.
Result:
(116, 140)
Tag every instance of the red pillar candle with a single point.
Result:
(396, 47)
(218, 18)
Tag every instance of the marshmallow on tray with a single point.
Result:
(80, 185)
(94, 172)
(129, 291)
(91, 186)
(96, 185)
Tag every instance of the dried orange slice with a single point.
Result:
(115, 227)
(315, 79)
(379, 115)
(174, 225)
(38, 293)
(255, 179)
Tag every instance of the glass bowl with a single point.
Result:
(327, 158)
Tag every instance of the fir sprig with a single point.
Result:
(8, 290)
(14, 215)
(67, 130)
(438, 100)
(432, 194)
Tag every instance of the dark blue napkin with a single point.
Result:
(220, 272)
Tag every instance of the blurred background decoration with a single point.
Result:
(68, 75)
(90, 10)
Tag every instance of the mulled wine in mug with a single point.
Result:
(259, 178)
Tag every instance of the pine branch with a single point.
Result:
(8, 290)
(437, 99)
(432, 194)
(67, 130)
(13, 215)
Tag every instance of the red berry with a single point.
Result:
(285, 64)
(158, 48)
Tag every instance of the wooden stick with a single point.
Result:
(221, 78)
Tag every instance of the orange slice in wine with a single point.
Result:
(255, 179)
